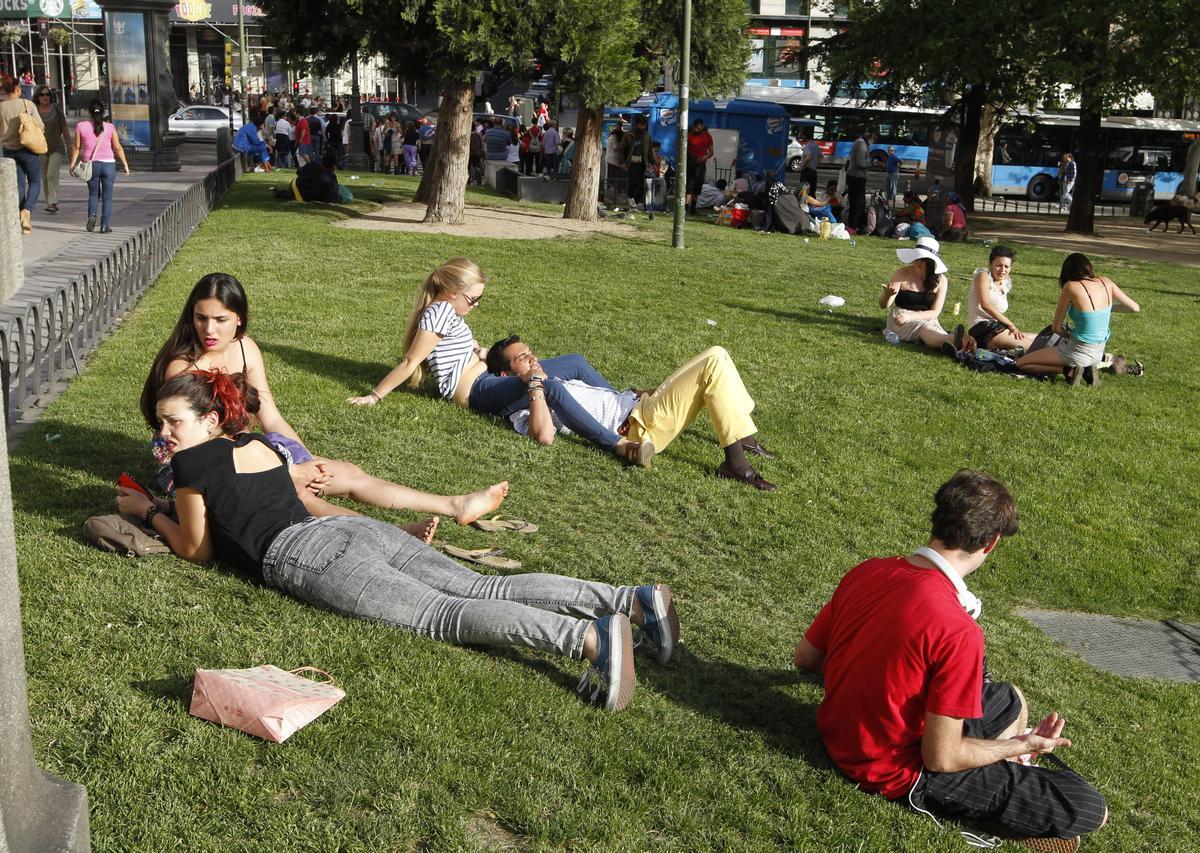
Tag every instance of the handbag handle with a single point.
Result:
(300, 669)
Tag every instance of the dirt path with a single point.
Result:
(1120, 236)
(501, 223)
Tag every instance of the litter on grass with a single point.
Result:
(831, 302)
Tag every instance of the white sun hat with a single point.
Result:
(926, 247)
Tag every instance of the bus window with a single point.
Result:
(1121, 157)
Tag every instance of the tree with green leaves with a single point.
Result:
(1106, 53)
(607, 53)
(959, 52)
(449, 39)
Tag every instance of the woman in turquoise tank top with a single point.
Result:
(1089, 300)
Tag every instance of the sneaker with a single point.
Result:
(610, 679)
(91, 223)
(1053, 845)
(660, 624)
(1091, 375)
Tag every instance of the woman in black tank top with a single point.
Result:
(915, 296)
(212, 328)
(235, 500)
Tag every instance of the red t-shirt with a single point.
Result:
(303, 134)
(897, 644)
(699, 143)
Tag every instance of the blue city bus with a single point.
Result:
(1027, 151)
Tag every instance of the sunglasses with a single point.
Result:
(473, 300)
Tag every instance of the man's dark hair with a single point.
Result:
(970, 509)
(497, 360)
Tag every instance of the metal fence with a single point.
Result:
(47, 328)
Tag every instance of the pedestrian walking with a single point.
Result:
(893, 174)
(98, 140)
(58, 138)
(856, 181)
(1067, 170)
(29, 171)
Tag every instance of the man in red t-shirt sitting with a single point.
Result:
(909, 710)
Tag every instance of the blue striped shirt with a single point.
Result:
(454, 350)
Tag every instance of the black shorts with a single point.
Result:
(1016, 798)
(985, 330)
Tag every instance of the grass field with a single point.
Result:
(446, 748)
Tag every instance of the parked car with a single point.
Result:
(404, 112)
(509, 121)
(200, 122)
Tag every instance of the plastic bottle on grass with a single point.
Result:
(891, 337)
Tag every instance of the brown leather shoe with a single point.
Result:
(750, 478)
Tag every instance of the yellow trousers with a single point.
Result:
(711, 379)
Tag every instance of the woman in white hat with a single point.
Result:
(916, 295)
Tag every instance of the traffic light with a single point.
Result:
(228, 62)
(296, 88)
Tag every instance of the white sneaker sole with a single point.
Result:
(622, 680)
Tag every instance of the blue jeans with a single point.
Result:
(29, 176)
(368, 569)
(103, 176)
(893, 184)
(503, 395)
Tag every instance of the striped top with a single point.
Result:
(453, 352)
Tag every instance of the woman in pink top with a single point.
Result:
(98, 141)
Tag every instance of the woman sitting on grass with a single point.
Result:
(438, 338)
(235, 499)
(818, 209)
(987, 305)
(1089, 300)
(211, 335)
(915, 296)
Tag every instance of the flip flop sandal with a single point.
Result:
(493, 558)
(499, 523)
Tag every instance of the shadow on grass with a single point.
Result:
(741, 697)
(175, 689)
(864, 325)
(41, 489)
(339, 369)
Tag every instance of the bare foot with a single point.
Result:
(467, 508)
(422, 530)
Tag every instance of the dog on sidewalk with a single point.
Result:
(1164, 214)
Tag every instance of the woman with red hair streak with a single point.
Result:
(235, 499)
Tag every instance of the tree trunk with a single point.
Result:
(451, 150)
(1188, 185)
(1088, 174)
(989, 126)
(964, 159)
(584, 190)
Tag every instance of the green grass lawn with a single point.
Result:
(445, 748)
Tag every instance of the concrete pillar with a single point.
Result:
(38, 812)
(12, 264)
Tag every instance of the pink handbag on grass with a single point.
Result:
(264, 701)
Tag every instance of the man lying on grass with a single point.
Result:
(910, 711)
(654, 417)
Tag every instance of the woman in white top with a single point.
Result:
(987, 305)
(439, 341)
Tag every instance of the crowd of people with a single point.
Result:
(910, 710)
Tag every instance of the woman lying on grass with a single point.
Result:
(1089, 300)
(438, 338)
(211, 335)
(235, 499)
(915, 296)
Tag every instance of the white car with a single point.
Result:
(200, 121)
(795, 155)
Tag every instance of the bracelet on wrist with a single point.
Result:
(374, 395)
(148, 518)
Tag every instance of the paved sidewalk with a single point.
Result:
(61, 240)
(1120, 236)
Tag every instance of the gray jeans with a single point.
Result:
(368, 569)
